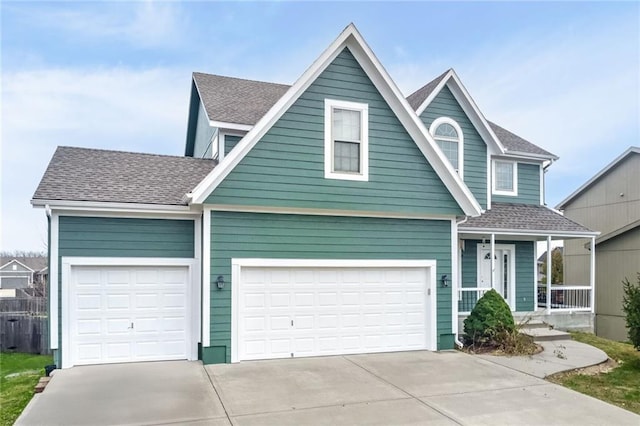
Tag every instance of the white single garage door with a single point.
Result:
(308, 311)
(128, 314)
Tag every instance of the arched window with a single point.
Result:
(448, 134)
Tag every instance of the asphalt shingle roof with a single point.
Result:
(81, 174)
(515, 143)
(36, 263)
(522, 217)
(235, 100)
(418, 97)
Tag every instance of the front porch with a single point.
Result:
(505, 259)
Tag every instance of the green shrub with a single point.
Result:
(490, 320)
(631, 307)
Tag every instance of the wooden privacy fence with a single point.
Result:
(24, 325)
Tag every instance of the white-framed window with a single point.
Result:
(346, 140)
(449, 137)
(505, 177)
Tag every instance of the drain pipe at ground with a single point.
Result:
(456, 338)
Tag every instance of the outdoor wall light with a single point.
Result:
(445, 280)
(220, 282)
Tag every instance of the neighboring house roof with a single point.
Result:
(235, 100)
(524, 217)
(32, 263)
(617, 232)
(81, 174)
(350, 38)
(543, 256)
(634, 150)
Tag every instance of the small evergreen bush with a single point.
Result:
(631, 307)
(490, 320)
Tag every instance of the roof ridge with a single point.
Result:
(240, 78)
(77, 148)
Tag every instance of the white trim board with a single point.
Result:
(238, 264)
(323, 212)
(68, 262)
(352, 39)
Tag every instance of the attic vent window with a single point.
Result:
(449, 137)
(346, 140)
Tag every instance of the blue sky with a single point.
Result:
(565, 76)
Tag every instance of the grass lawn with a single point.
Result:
(16, 390)
(620, 386)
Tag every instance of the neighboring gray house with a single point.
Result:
(609, 202)
(333, 216)
(22, 272)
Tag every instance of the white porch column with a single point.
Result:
(493, 261)
(592, 274)
(548, 274)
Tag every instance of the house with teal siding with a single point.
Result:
(333, 216)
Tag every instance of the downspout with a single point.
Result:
(454, 290)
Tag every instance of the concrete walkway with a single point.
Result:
(402, 388)
(557, 356)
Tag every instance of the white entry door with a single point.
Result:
(128, 313)
(307, 311)
(504, 284)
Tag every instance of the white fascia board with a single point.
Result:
(530, 156)
(470, 108)
(224, 125)
(434, 93)
(95, 206)
(605, 170)
(527, 232)
(352, 39)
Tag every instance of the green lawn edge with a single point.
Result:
(618, 386)
(24, 371)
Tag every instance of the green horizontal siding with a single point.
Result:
(528, 186)
(286, 167)
(203, 133)
(525, 284)
(121, 237)
(256, 235)
(475, 150)
(230, 141)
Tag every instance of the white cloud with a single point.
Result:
(142, 24)
(105, 108)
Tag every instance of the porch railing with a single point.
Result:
(468, 297)
(565, 297)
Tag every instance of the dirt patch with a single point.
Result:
(498, 351)
(593, 370)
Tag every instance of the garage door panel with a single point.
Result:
(127, 314)
(334, 311)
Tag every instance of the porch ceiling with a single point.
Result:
(523, 219)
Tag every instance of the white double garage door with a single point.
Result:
(129, 313)
(297, 308)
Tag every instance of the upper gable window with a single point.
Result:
(505, 177)
(449, 137)
(346, 140)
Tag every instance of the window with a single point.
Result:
(448, 135)
(505, 177)
(346, 147)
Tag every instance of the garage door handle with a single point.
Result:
(130, 328)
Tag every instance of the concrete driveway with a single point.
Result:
(380, 389)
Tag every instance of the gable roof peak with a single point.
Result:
(349, 38)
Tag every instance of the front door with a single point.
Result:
(504, 270)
